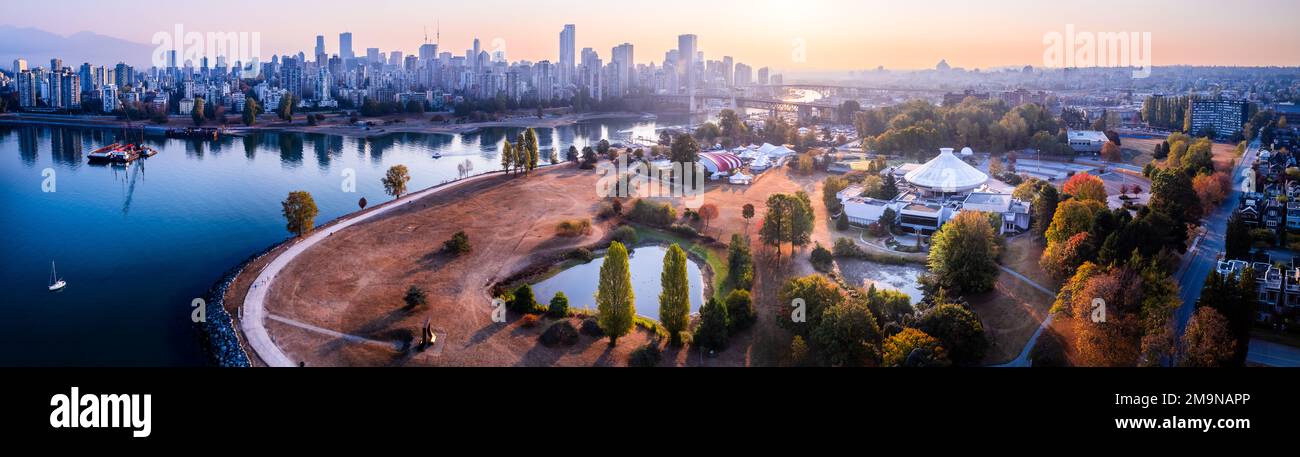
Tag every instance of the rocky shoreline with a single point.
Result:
(217, 335)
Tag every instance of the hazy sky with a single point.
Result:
(836, 34)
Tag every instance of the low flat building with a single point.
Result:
(1086, 141)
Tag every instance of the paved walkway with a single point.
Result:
(254, 311)
(1022, 360)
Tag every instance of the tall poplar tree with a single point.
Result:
(614, 297)
(674, 299)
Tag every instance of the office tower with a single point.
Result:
(85, 73)
(395, 58)
(20, 65)
(589, 75)
(567, 57)
(56, 64)
(744, 75)
(762, 76)
(372, 55)
(686, 49)
(428, 52)
(545, 75)
(320, 46)
(728, 71)
(472, 58)
(345, 46)
(621, 57)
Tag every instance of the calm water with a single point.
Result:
(646, 263)
(903, 278)
(137, 244)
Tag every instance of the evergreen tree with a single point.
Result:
(711, 334)
(614, 297)
(674, 299)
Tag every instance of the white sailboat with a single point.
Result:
(56, 283)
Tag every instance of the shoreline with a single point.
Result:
(410, 124)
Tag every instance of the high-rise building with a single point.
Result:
(108, 94)
(621, 57)
(320, 47)
(291, 73)
(28, 81)
(686, 49)
(744, 75)
(345, 46)
(545, 78)
(428, 52)
(1220, 117)
(372, 55)
(56, 64)
(20, 65)
(567, 54)
(728, 71)
(762, 76)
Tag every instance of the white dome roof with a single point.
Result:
(946, 173)
(967, 151)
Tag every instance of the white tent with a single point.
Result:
(946, 173)
(741, 178)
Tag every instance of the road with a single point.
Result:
(1202, 257)
(1273, 354)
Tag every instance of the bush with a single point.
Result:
(523, 300)
(740, 311)
(559, 306)
(684, 230)
(842, 222)
(652, 213)
(458, 244)
(625, 234)
(415, 296)
(582, 254)
(609, 209)
(575, 227)
(561, 333)
(591, 328)
(645, 356)
(530, 321)
(821, 258)
(845, 247)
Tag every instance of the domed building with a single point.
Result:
(946, 174)
(933, 193)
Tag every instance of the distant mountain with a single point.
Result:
(39, 46)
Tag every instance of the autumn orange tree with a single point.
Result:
(1084, 186)
(708, 211)
(1208, 342)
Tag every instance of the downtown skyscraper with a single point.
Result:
(568, 54)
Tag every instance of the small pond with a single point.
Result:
(646, 263)
(902, 278)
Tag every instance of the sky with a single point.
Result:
(791, 35)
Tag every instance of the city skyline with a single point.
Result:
(788, 36)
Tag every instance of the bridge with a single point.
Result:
(804, 110)
(734, 99)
